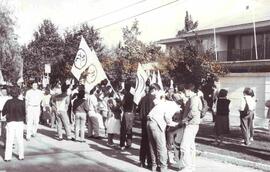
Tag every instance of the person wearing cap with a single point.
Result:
(33, 100)
(14, 110)
(158, 118)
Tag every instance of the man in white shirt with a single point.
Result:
(159, 117)
(33, 100)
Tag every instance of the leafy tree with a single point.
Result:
(133, 51)
(189, 25)
(46, 47)
(190, 63)
(10, 59)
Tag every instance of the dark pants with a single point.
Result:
(145, 153)
(126, 129)
(247, 128)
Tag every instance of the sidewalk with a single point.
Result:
(256, 155)
(44, 153)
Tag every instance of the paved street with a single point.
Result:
(45, 153)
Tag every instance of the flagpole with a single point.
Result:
(254, 31)
(215, 40)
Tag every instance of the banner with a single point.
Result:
(86, 61)
(140, 84)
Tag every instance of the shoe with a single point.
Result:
(27, 139)
(245, 144)
(60, 139)
(7, 160)
(82, 141)
(128, 146)
(251, 139)
(122, 148)
(73, 139)
(141, 164)
(21, 159)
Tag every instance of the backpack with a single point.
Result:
(204, 107)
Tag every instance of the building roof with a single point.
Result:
(230, 24)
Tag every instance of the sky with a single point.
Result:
(155, 25)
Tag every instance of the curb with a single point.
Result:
(235, 161)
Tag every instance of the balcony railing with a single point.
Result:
(243, 54)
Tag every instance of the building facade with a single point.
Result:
(245, 50)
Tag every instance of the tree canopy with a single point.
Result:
(10, 59)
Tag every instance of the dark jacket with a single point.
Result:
(14, 110)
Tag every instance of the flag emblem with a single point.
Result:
(81, 59)
(91, 74)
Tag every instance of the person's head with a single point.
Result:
(222, 93)
(15, 91)
(189, 89)
(248, 92)
(81, 94)
(154, 88)
(35, 85)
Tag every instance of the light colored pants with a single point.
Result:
(33, 114)
(14, 130)
(188, 148)
(93, 125)
(63, 120)
(157, 145)
(80, 119)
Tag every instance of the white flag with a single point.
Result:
(153, 78)
(1, 78)
(140, 84)
(159, 81)
(86, 60)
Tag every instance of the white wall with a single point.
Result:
(222, 42)
(235, 84)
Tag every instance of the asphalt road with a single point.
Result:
(45, 153)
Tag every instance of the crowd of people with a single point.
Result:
(169, 119)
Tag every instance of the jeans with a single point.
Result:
(14, 130)
(188, 148)
(157, 144)
(63, 119)
(80, 119)
(126, 129)
(93, 126)
(32, 118)
(247, 128)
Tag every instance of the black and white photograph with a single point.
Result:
(134, 85)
